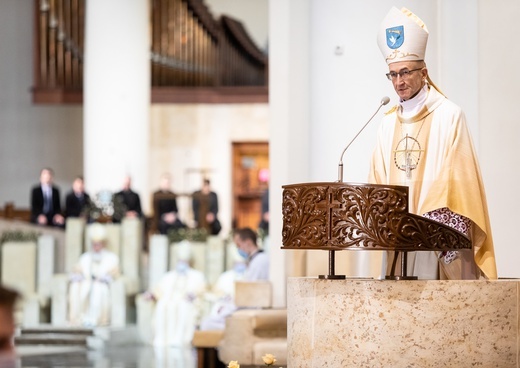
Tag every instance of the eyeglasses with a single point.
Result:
(404, 74)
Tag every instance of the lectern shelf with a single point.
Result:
(347, 216)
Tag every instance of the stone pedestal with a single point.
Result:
(374, 323)
(59, 310)
(215, 254)
(158, 259)
(131, 245)
(18, 271)
(45, 268)
(18, 268)
(74, 235)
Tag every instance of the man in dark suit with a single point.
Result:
(45, 201)
(130, 200)
(264, 221)
(205, 209)
(77, 199)
(165, 207)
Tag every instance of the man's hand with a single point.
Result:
(76, 277)
(41, 219)
(210, 217)
(106, 279)
(169, 217)
(58, 219)
(148, 295)
(131, 214)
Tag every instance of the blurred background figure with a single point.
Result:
(205, 209)
(254, 266)
(8, 300)
(89, 291)
(165, 207)
(263, 226)
(222, 295)
(45, 201)
(77, 199)
(257, 260)
(179, 298)
(130, 200)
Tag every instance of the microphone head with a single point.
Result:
(385, 100)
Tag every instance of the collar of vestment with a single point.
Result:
(433, 100)
(254, 254)
(412, 106)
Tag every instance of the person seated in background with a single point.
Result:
(89, 290)
(130, 201)
(205, 209)
(223, 293)
(179, 301)
(257, 269)
(77, 200)
(257, 260)
(264, 220)
(165, 207)
(8, 300)
(45, 201)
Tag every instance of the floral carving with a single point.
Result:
(335, 216)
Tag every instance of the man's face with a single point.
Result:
(46, 177)
(127, 183)
(205, 188)
(408, 86)
(78, 186)
(241, 244)
(165, 183)
(98, 245)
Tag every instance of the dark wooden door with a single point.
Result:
(250, 181)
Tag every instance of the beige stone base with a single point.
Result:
(381, 323)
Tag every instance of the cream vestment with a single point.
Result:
(432, 153)
(89, 290)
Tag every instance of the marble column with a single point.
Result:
(289, 104)
(116, 95)
(158, 259)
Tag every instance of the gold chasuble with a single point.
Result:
(432, 153)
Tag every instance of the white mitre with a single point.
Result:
(183, 251)
(97, 232)
(402, 36)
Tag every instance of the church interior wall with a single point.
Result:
(31, 136)
(499, 131)
(36, 136)
(469, 56)
(191, 141)
(183, 137)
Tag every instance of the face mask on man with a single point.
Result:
(182, 267)
(243, 253)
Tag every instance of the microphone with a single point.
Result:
(383, 102)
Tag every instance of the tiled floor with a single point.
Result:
(121, 357)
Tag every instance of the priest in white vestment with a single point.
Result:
(89, 289)
(222, 296)
(424, 143)
(179, 296)
(257, 269)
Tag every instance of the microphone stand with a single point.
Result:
(332, 255)
(384, 101)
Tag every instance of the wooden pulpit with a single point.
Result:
(345, 216)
